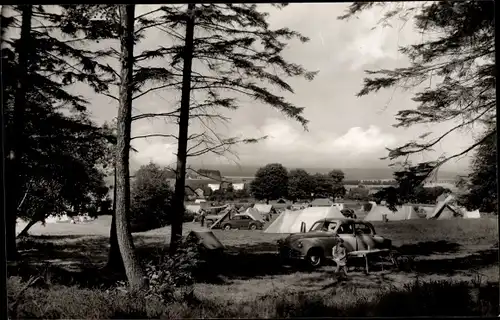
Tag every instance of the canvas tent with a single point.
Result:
(195, 208)
(402, 213)
(56, 219)
(223, 214)
(471, 214)
(206, 238)
(291, 221)
(263, 208)
(255, 214)
(443, 210)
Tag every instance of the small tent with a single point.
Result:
(255, 214)
(206, 238)
(471, 214)
(263, 208)
(442, 210)
(195, 208)
(402, 213)
(291, 221)
(56, 219)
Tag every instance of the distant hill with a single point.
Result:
(351, 173)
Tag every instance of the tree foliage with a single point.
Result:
(454, 70)
(270, 183)
(482, 181)
(300, 185)
(61, 153)
(151, 196)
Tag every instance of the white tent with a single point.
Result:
(402, 213)
(442, 210)
(291, 221)
(263, 208)
(193, 208)
(255, 214)
(339, 206)
(471, 214)
(55, 218)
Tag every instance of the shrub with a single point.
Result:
(150, 198)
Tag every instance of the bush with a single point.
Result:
(174, 276)
(150, 198)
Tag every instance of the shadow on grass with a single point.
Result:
(450, 266)
(237, 262)
(429, 247)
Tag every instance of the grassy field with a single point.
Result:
(454, 258)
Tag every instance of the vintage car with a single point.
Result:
(316, 245)
(241, 221)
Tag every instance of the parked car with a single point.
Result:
(241, 221)
(316, 245)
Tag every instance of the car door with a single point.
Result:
(331, 241)
(346, 233)
(364, 236)
(244, 221)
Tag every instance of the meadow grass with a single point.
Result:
(249, 290)
(416, 299)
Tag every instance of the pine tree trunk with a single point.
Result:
(180, 175)
(115, 262)
(135, 274)
(14, 163)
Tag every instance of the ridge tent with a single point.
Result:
(291, 221)
(195, 208)
(376, 213)
(255, 214)
(263, 208)
(402, 213)
(442, 210)
(471, 214)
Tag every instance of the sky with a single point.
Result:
(344, 131)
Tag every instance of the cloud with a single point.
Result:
(288, 142)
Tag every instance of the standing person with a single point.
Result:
(202, 218)
(339, 254)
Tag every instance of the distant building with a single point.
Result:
(214, 186)
(238, 186)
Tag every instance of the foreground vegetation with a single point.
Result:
(457, 259)
(417, 299)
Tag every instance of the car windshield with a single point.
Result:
(324, 226)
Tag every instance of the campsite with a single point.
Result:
(250, 160)
(445, 254)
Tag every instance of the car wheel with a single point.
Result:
(253, 227)
(314, 258)
(227, 227)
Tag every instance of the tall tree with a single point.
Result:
(458, 65)
(337, 177)
(133, 269)
(54, 65)
(15, 151)
(236, 54)
(300, 185)
(270, 183)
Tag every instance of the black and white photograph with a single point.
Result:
(249, 160)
